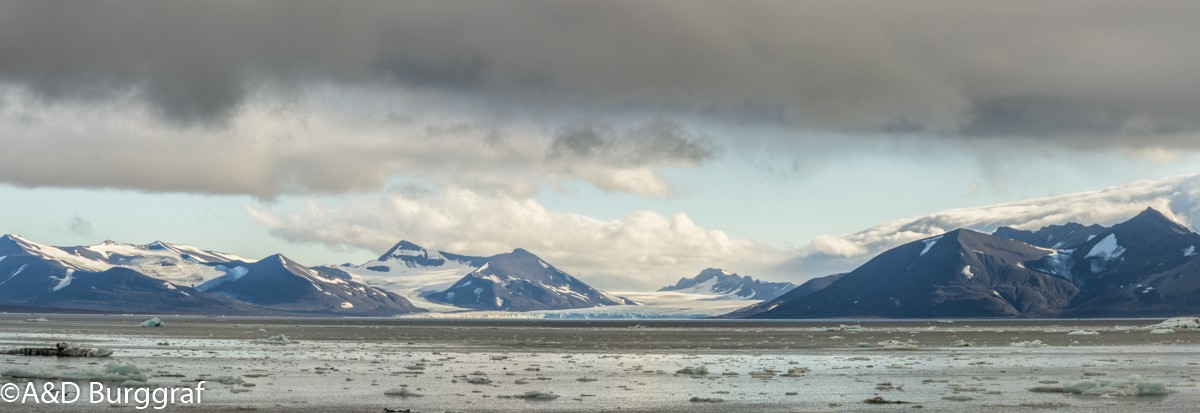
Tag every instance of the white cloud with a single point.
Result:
(1177, 197)
(643, 249)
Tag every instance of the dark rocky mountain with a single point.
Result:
(1053, 236)
(803, 290)
(1145, 266)
(520, 281)
(962, 273)
(279, 283)
(718, 281)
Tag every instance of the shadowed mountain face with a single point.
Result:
(520, 281)
(279, 283)
(717, 281)
(961, 273)
(1053, 236)
(1145, 266)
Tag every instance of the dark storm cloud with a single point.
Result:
(991, 69)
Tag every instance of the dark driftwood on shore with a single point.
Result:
(60, 350)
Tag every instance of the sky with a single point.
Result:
(627, 142)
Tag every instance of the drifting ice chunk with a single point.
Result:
(153, 322)
(279, 339)
(479, 380)
(1177, 323)
(402, 392)
(1030, 344)
(36, 320)
(962, 343)
(227, 380)
(60, 350)
(111, 372)
(1162, 331)
(535, 395)
(695, 371)
(1083, 333)
(1134, 385)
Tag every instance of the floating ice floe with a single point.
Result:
(1030, 344)
(279, 339)
(532, 395)
(111, 372)
(694, 371)
(153, 322)
(962, 343)
(795, 372)
(227, 380)
(36, 320)
(1083, 333)
(1134, 385)
(402, 392)
(1162, 331)
(478, 380)
(1177, 323)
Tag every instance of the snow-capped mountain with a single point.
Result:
(178, 264)
(33, 274)
(520, 281)
(409, 270)
(803, 290)
(278, 283)
(730, 285)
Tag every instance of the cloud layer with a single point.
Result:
(314, 146)
(1177, 197)
(1074, 68)
(644, 249)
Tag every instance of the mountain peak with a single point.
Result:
(1152, 218)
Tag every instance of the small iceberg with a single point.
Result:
(153, 322)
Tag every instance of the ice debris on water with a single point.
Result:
(402, 392)
(1030, 344)
(478, 380)
(153, 322)
(1162, 331)
(962, 343)
(36, 320)
(1083, 333)
(1134, 385)
(279, 339)
(895, 345)
(111, 372)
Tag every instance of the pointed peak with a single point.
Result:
(1151, 217)
(406, 245)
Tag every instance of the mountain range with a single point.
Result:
(730, 285)
(1144, 266)
(162, 277)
